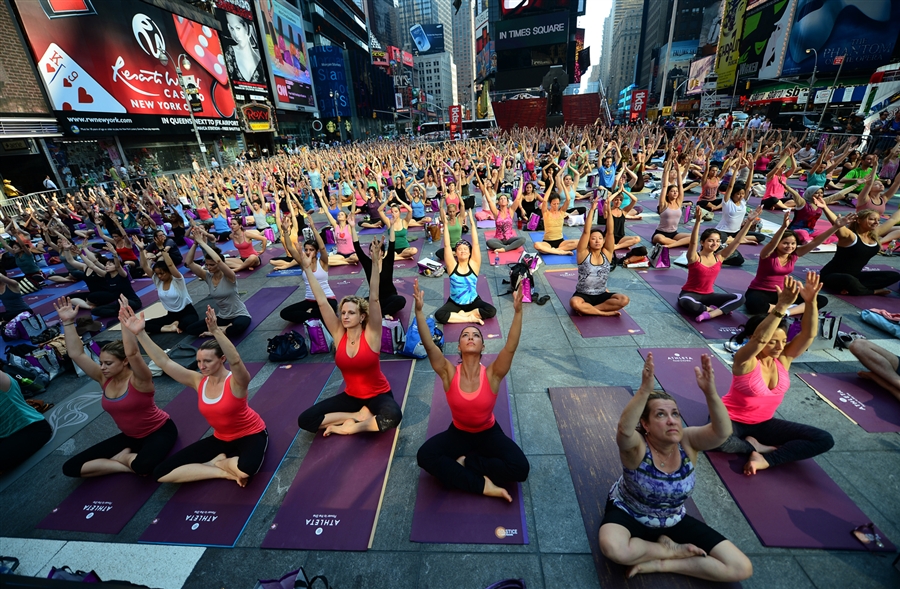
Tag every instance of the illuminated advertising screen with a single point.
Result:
(286, 52)
(764, 39)
(532, 31)
(427, 39)
(117, 83)
(485, 56)
(332, 93)
(243, 50)
(513, 8)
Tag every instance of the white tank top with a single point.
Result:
(321, 276)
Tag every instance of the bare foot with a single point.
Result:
(461, 460)
(363, 414)
(609, 313)
(492, 490)
(121, 456)
(651, 566)
(343, 429)
(882, 292)
(171, 328)
(761, 448)
(676, 550)
(216, 460)
(499, 250)
(205, 334)
(756, 463)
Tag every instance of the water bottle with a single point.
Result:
(496, 258)
(428, 234)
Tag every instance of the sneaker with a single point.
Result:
(731, 346)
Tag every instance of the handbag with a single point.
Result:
(430, 267)
(533, 221)
(286, 347)
(533, 261)
(45, 336)
(67, 574)
(92, 351)
(414, 348)
(827, 334)
(32, 379)
(735, 259)
(47, 359)
(659, 257)
(32, 325)
(687, 208)
(11, 329)
(393, 337)
(320, 341)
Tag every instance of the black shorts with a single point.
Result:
(469, 201)
(419, 218)
(345, 255)
(666, 234)
(769, 203)
(688, 531)
(554, 243)
(594, 300)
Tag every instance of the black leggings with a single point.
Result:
(794, 441)
(237, 325)
(442, 315)
(489, 453)
(19, 445)
(864, 283)
(250, 451)
(708, 204)
(305, 310)
(694, 304)
(186, 316)
(513, 243)
(391, 302)
(758, 301)
(110, 309)
(385, 409)
(151, 450)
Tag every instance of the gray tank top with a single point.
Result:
(592, 278)
(668, 220)
(228, 302)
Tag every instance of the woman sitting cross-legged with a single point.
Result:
(671, 197)
(313, 250)
(619, 214)
(173, 294)
(391, 301)
(761, 378)
(473, 454)
(505, 238)
(645, 526)
(464, 305)
(243, 243)
(343, 239)
(236, 449)
(222, 284)
(594, 253)
(857, 243)
(697, 298)
(146, 433)
(399, 225)
(553, 214)
(367, 403)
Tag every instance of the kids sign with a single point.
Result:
(117, 83)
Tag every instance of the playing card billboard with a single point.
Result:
(100, 62)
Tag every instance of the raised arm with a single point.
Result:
(135, 324)
(692, 254)
(329, 318)
(141, 377)
(475, 261)
(74, 346)
(499, 368)
(629, 441)
(713, 434)
(439, 363)
(373, 324)
(770, 247)
(745, 358)
(240, 376)
(838, 223)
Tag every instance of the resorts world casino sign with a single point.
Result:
(116, 83)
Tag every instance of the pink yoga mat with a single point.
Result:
(334, 500)
(508, 257)
(794, 505)
(870, 406)
(668, 283)
(563, 284)
(445, 515)
(104, 505)
(674, 369)
(490, 329)
(215, 512)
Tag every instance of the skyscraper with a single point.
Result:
(383, 16)
(464, 54)
(425, 12)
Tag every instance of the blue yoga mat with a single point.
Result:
(296, 271)
(552, 259)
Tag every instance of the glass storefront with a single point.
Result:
(84, 161)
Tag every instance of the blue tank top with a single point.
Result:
(220, 224)
(463, 287)
(652, 497)
(315, 180)
(418, 209)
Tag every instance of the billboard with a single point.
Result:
(455, 112)
(485, 56)
(638, 103)
(242, 50)
(711, 28)
(379, 57)
(428, 39)
(579, 47)
(532, 31)
(330, 79)
(407, 58)
(729, 42)
(117, 83)
(286, 52)
(699, 70)
(514, 8)
(764, 38)
(864, 34)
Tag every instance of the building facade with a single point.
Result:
(436, 75)
(424, 12)
(625, 42)
(464, 55)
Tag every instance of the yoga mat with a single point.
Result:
(335, 499)
(411, 262)
(451, 516)
(587, 420)
(794, 505)
(490, 329)
(674, 368)
(340, 270)
(215, 512)
(668, 283)
(563, 284)
(67, 418)
(734, 279)
(507, 257)
(889, 302)
(486, 224)
(263, 261)
(104, 505)
(405, 287)
(295, 271)
(345, 287)
(154, 311)
(260, 306)
(552, 259)
(862, 401)
(370, 231)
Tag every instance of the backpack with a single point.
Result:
(517, 272)
(11, 329)
(286, 347)
(32, 380)
(393, 338)
(414, 348)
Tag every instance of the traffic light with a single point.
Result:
(374, 115)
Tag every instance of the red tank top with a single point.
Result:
(472, 412)
(245, 249)
(231, 418)
(135, 413)
(127, 254)
(701, 279)
(363, 378)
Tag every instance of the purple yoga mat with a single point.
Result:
(487, 224)
(674, 369)
(490, 329)
(263, 261)
(734, 279)
(370, 231)
(668, 283)
(870, 406)
(405, 287)
(794, 505)
(411, 262)
(215, 512)
(104, 505)
(563, 284)
(260, 306)
(344, 287)
(344, 270)
(450, 516)
(890, 302)
(340, 515)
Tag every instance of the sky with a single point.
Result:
(596, 12)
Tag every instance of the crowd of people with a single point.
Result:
(526, 180)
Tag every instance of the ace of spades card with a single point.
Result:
(71, 88)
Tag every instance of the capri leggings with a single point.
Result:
(486, 310)
(250, 451)
(184, 317)
(151, 450)
(385, 409)
(693, 304)
(862, 284)
(758, 301)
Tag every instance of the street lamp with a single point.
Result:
(812, 80)
(335, 98)
(164, 59)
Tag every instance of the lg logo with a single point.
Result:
(148, 35)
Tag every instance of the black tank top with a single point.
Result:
(851, 259)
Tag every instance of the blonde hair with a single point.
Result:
(860, 216)
(361, 303)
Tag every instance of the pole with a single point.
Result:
(191, 112)
(662, 88)
(812, 80)
(830, 92)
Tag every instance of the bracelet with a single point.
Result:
(777, 314)
(70, 323)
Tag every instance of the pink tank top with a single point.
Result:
(344, 240)
(774, 189)
(869, 205)
(135, 413)
(770, 273)
(504, 227)
(472, 412)
(245, 249)
(750, 400)
(701, 279)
